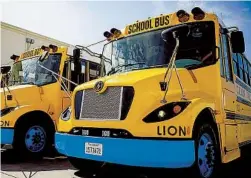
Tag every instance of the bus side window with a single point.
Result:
(249, 71)
(241, 68)
(235, 64)
(226, 57)
(222, 68)
(65, 74)
(93, 70)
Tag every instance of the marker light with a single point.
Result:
(176, 109)
(182, 15)
(198, 14)
(115, 32)
(107, 34)
(45, 48)
(53, 47)
(14, 57)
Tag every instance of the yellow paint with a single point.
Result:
(49, 98)
(205, 88)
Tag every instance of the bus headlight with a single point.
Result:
(6, 111)
(166, 112)
(78, 103)
(66, 114)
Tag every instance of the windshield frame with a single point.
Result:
(105, 73)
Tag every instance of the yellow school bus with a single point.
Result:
(40, 88)
(174, 93)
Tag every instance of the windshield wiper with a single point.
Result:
(27, 83)
(113, 69)
(150, 67)
(194, 66)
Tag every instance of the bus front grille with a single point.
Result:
(104, 106)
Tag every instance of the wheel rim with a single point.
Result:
(206, 155)
(35, 139)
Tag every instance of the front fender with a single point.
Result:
(198, 106)
(10, 119)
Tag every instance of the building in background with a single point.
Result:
(15, 40)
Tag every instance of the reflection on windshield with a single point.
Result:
(28, 71)
(149, 50)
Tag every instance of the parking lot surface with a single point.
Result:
(58, 167)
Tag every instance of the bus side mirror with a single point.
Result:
(237, 41)
(76, 54)
(76, 60)
(5, 69)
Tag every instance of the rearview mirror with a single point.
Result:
(237, 41)
(5, 69)
(43, 56)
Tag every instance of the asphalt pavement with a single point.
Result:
(57, 166)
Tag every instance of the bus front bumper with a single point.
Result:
(131, 152)
(7, 135)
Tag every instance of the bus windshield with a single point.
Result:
(149, 50)
(28, 71)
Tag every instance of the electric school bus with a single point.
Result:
(42, 81)
(171, 95)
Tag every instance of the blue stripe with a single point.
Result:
(132, 152)
(243, 85)
(7, 136)
(243, 101)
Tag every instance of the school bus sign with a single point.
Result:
(150, 24)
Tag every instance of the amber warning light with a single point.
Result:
(182, 15)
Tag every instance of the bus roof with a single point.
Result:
(34, 52)
(162, 21)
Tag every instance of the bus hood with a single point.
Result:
(19, 95)
(148, 80)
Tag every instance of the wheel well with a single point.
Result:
(205, 116)
(43, 117)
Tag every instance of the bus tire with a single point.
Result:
(87, 167)
(207, 152)
(33, 138)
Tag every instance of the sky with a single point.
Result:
(83, 22)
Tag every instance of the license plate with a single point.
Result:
(93, 148)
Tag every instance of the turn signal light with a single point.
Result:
(198, 14)
(14, 57)
(115, 32)
(107, 34)
(53, 47)
(182, 15)
(45, 48)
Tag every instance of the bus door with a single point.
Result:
(228, 95)
(75, 73)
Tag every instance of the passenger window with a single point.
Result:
(249, 71)
(235, 64)
(241, 67)
(65, 74)
(94, 71)
(222, 72)
(226, 57)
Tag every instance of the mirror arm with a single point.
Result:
(170, 67)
